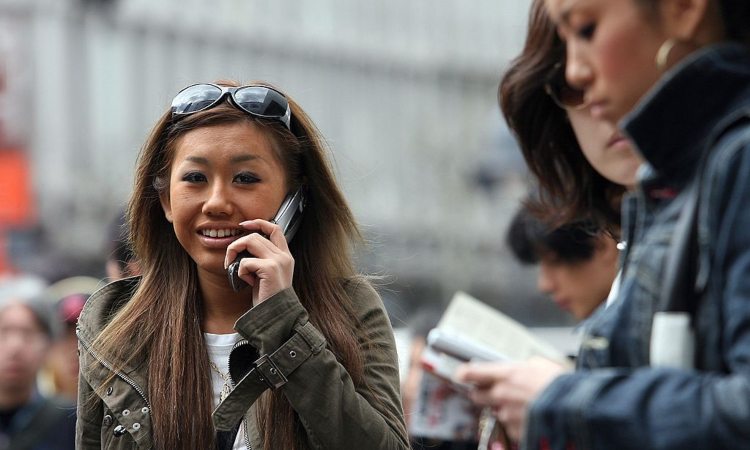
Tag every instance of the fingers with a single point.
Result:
(274, 232)
(271, 267)
(482, 374)
(264, 241)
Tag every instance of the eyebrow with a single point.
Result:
(236, 159)
(567, 11)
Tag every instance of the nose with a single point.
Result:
(544, 281)
(219, 201)
(578, 71)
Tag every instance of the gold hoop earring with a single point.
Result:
(662, 55)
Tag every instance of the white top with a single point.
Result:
(219, 346)
(615, 289)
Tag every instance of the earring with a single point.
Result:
(662, 55)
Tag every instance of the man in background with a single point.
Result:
(28, 420)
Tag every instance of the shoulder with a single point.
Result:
(367, 305)
(104, 303)
(362, 293)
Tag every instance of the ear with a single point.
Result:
(166, 205)
(606, 246)
(685, 20)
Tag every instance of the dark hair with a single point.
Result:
(569, 187)
(735, 16)
(530, 239)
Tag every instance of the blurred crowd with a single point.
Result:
(39, 348)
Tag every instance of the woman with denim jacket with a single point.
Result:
(295, 351)
(675, 76)
(582, 167)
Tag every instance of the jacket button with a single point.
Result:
(109, 390)
(125, 412)
(107, 420)
(144, 410)
(119, 431)
(136, 426)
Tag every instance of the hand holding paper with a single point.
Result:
(509, 387)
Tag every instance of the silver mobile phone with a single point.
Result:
(288, 217)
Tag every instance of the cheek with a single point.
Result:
(626, 61)
(592, 135)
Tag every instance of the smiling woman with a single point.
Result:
(301, 358)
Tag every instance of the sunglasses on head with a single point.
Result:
(564, 95)
(259, 101)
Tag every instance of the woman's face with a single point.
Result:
(610, 50)
(606, 149)
(220, 176)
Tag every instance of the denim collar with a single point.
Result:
(671, 125)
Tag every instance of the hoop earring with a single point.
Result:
(662, 55)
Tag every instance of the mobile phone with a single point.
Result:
(288, 217)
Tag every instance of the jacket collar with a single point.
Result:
(674, 121)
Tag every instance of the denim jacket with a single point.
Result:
(691, 128)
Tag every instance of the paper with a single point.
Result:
(487, 333)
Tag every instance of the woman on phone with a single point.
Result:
(302, 357)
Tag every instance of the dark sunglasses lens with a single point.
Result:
(261, 101)
(195, 98)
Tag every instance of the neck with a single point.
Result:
(221, 305)
(13, 397)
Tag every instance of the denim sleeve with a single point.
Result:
(670, 409)
(645, 408)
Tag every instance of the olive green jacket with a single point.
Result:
(293, 358)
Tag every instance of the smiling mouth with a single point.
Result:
(221, 233)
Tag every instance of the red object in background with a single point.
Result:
(16, 201)
(16, 206)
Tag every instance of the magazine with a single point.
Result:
(470, 330)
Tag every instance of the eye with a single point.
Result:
(586, 32)
(246, 178)
(194, 177)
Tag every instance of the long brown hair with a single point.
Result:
(162, 319)
(569, 188)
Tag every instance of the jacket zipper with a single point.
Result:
(104, 363)
(239, 343)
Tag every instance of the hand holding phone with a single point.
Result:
(288, 218)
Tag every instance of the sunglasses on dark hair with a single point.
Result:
(259, 101)
(564, 95)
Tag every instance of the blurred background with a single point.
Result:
(404, 91)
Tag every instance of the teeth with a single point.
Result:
(220, 233)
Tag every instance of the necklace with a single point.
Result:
(227, 388)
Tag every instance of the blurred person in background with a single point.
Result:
(65, 298)
(29, 420)
(120, 261)
(437, 415)
(60, 372)
(307, 336)
(577, 262)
